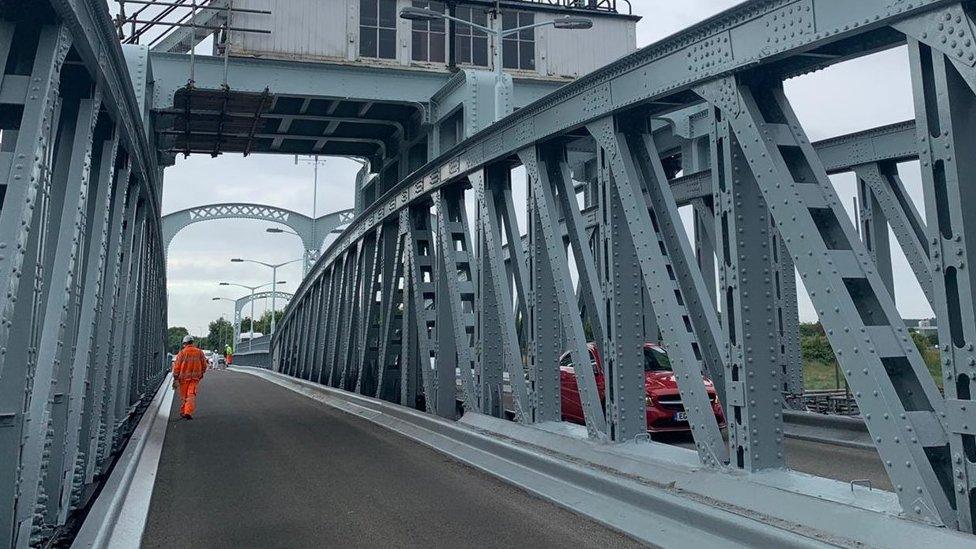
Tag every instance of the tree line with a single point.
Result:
(220, 332)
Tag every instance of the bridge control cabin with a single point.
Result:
(353, 78)
(369, 32)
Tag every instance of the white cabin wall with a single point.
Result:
(573, 53)
(328, 30)
(300, 29)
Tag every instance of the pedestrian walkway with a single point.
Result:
(261, 466)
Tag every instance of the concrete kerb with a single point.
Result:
(645, 489)
(117, 519)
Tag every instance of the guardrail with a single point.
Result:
(828, 429)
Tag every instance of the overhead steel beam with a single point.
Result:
(292, 78)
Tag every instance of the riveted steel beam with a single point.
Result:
(496, 310)
(64, 231)
(891, 206)
(543, 334)
(87, 380)
(368, 329)
(422, 269)
(455, 336)
(747, 245)
(901, 405)
(550, 264)
(339, 312)
(874, 229)
(631, 181)
(21, 226)
(943, 67)
(393, 302)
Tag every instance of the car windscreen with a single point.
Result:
(656, 360)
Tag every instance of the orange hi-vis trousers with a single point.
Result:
(188, 394)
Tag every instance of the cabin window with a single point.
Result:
(471, 44)
(429, 38)
(518, 50)
(377, 28)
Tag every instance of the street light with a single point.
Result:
(278, 230)
(567, 22)
(252, 288)
(274, 282)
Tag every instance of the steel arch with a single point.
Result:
(302, 224)
(239, 305)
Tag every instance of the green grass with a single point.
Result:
(819, 375)
(931, 357)
(819, 362)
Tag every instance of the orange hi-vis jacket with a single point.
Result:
(190, 364)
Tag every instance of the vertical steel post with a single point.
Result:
(944, 84)
(497, 301)
(546, 171)
(869, 338)
(657, 265)
(746, 273)
(455, 319)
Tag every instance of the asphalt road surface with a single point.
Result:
(260, 466)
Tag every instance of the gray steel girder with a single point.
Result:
(457, 290)
(393, 294)
(893, 389)
(659, 276)
(891, 206)
(545, 171)
(747, 250)
(943, 67)
(366, 359)
(22, 227)
(497, 311)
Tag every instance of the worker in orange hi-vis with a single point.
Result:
(188, 370)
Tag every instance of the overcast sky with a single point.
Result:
(846, 98)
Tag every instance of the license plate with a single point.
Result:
(681, 416)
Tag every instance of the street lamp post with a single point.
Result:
(315, 161)
(306, 266)
(250, 341)
(274, 282)
(497, 34)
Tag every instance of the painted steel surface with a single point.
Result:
(84, 317)
(744, 142)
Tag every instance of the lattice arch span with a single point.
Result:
(312, 234)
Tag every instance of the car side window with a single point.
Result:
(566, 361)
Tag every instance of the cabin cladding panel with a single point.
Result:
(329, 30)
(575, 53)
(300, 29)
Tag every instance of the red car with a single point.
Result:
(665, 412)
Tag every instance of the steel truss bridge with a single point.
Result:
(411, 293)
(432, 296)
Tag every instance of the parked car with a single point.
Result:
(665, 411)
